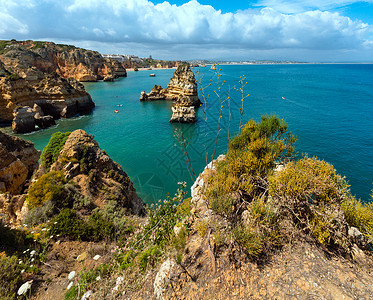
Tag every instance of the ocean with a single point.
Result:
(328, 107)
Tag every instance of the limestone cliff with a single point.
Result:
(29, 76)
(182, 89)
(95, 173)
(18, 161)
(32, 58)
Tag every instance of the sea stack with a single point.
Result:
(182, 89)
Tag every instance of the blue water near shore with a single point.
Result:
(328, 107)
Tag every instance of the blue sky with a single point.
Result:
(300, 30)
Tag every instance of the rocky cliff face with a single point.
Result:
(18, 161)
(182, 89)
(31, 58)
(45, 74)
(95, 173)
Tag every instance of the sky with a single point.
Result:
(298, 30)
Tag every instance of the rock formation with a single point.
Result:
(182, 89)
(18, 161)
(95, 173)
(36, 74)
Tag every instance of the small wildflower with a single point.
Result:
(71, 275)
(32, 253)
(70, 285)
(51, 236)
(24, 288)
(55, 222)
(96, 257)
(44, 229)
(22, 271)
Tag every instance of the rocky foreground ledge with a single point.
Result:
(182, 89)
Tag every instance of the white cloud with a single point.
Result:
(142, 22)
(297, 6)
(10, 25)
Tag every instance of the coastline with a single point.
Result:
(149, 69)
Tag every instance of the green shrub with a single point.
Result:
(312, 192)
(10, 277)
(149, 257)
(99, 227)
(251, 240)
(359, 215)
(52, 150)
(49, 187)
(68, 224)
(13, 240)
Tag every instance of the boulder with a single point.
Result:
(24, 120)
(109, 78)
(163, 278)
(45, 121)
(181, 114)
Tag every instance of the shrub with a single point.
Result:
(13, 240)
(10, 276)
(359, 215)
(149, 257)
(68, 224)
(99, 227)
(49, 187)
(311, 191)
(52, 150)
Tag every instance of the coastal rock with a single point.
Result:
(96, 174)
(182, 89)
(109, 78)
(181, 114)
(157, 93)
(24, 120)
(21, 101)
(18, 161)
(44, 121)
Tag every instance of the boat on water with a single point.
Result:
(116, 111)
(152, 75)
(213, 67)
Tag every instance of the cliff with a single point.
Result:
(37, 84)
(33, 58)
(18, 161)
(95, 174)
(182, 90)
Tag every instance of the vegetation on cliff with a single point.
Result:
(266, 206)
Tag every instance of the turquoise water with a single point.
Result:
(328, 107)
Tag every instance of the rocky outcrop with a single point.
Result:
(30, 59)
(95, 173)
(182, 114)
(18, 160)
(54, 95)
(182, 89)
